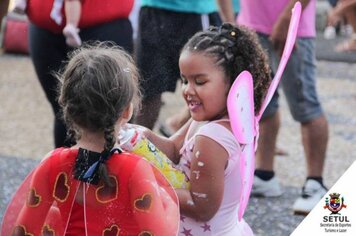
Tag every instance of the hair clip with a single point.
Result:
(232, 33)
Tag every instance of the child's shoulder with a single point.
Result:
(215, 127)
(59, 152)
(220, 132)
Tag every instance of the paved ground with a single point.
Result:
(26, 135)
(325, 50)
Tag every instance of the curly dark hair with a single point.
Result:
(97, 85)
(235, 49)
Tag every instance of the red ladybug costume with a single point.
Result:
(53, 200)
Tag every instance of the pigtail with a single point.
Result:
(71, 137)
(109, 144)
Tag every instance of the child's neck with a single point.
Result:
(220, 117)
(91, 141)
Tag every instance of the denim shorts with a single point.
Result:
(298, 80)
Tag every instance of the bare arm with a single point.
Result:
(280, 29)
(169, 146)
(339, 10)
(204, 198)
(344, 5)
(226, 10)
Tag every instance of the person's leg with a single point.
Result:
(4, 7)
(269, 128)
(300, 89)
(149, 112)
(315, 138)
(73, 10)
(351, 18)
(175, 122)
(47, 51)
(147, 44)
(265, 183)
(161, 40)
(270, 122)
(350, 44)
(332, 2)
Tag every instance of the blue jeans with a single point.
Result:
(298, 80)
(333, 2)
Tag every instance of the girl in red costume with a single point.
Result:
(93, 188)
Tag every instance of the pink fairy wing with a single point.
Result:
(288, 48)
(240, 106)
(247, 167)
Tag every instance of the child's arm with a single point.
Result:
(169, 146)
(204, 198)
(155, 209)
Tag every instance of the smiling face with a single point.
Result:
(205, 86)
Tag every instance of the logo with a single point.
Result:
(335, 222)
(334, 204)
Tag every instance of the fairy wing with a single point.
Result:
(288, 48)
(240, 106)
(27, 212)
(50, 196)
(14, 207)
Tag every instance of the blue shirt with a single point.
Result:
(189, 6)
(236, 5)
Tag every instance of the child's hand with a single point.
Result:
(143, 130)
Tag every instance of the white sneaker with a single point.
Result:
(330, 32)
(312, 192)
(346, 30)
(266, 188)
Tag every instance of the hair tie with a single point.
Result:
(105, 155)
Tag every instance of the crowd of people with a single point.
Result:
(95, 88)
